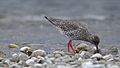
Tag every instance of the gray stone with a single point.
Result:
(85, 54)
(107, 57)
(14, 58)
(82, 47)
(64, 66)
(14, 66)
(38, 66)
(91, 65)
(27, 50)
(58, 54)
(30, 62)
(97, 56)
(23, 56)
(113, 50)
(38, 52)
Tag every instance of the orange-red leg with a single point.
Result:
(70, 46)
(69, 43)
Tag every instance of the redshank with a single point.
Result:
(74, 31)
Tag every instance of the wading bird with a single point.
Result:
(74, 31)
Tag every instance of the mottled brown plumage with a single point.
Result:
(75, 31)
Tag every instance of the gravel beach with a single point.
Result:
(85, 57)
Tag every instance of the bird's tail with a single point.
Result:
(52, 20)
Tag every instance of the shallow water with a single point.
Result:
(23, 20)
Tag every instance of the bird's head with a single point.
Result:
(95, 40)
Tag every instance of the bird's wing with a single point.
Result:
(66, 25)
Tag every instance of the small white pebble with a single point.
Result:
(89, 64)
(38, 65)
(14, 54)
(30, 62)
(80, 59)
(64, 66)
(97, 55)
(34, 58)
(24, 48)
(107, 57)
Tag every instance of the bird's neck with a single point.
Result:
(89, 38)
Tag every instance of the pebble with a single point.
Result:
(58, 54)
(67, 58)
(14, 66)
(4, 65)
(50, 60)
(99, 62)
(80, 59)
(12, 46)
(113, 50)
(41, 60)
(86, 64)
(81, 47)
(59, 59)
(27, 50)
(116, 59)
(97, 56)
(34, 58)
(85, 54)
(91, 65)
(64, 66)
(112, 66)
(14, 58)
(2, 54)
(38, 65)
(38, 52)
(23, 56)
(107, 57)
(30, 62)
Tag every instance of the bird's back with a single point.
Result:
(73, 29)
